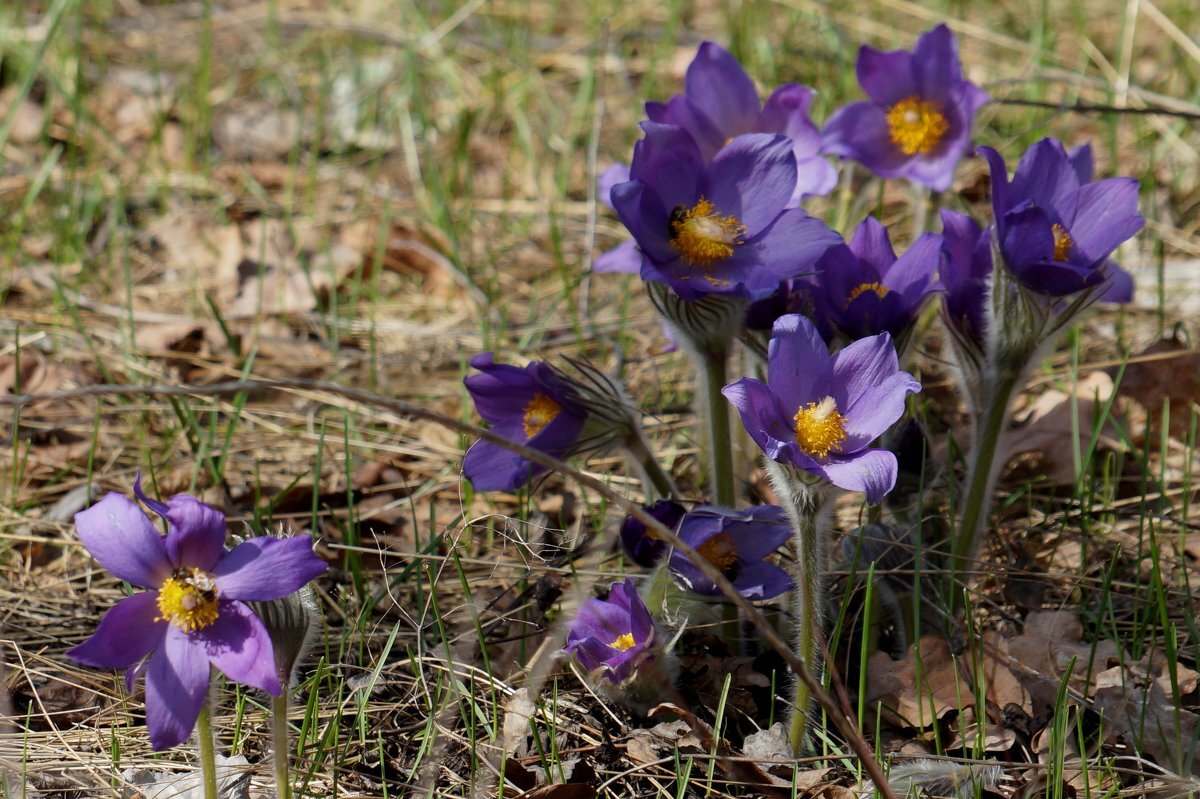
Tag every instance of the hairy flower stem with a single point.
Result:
(998, 386)
(656, 483)
(208, 755)
(279, 736)
(716, 415)
(805, 502)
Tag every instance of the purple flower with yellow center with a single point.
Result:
(1055, 229)
(1120, 282)
(641, 543)
(615, 637)
(917, 122)
(721, 227)
(862, 288)
(965, 272)
(820, 413)
(737, 542)
(195, 613)
(532, 406)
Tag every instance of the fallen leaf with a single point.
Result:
(256, 130)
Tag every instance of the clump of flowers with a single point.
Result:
(194, 614)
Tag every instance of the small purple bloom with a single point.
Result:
(646, 548)
(720, 103)
(917, 123)
(533, 406)
(863, 289)
(965, 273)
(1056, 230)
(737, 542)
(821, 413)
(195, 614)
(1120, 282)
(721, 227)
(615, 636)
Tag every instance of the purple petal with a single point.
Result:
(1082, 162)
(815, 177)
(625, 259)
(1044, 174)
(669, 160)
(753, 178)
(617, 173)
(789, 248)
(760, 415)
(644, 215)
(1105, 216)
(266, 568)
(196, 537)
(718, 88)
(491, 467)
(761, 580)
(860, 131)
(886, 77)
(786, 112)
(873, 472)
(915, 273)
(237, 643)
(127, 633)
(679, 112)
(501, 391)
(1028, 238)
(871, 244)
(1000, 188)
(875, 390)
(120, 537)
(799, 369)
(176, 686)
(1120, 285)
(935, 64)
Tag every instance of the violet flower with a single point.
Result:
(965, 273)
(821, 413)
(644, 546)
(615, 638)
(1120, 282)
(721, 227)
(533, 406)
(195, 613)
(1054, 229)
(917, 122)
(862, 289)
(737, 542)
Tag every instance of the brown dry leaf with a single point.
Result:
(1046, 647)
(562, 790)
(518, 710)
(407, 251)
(256, 130)
(647, 746)
(196, 245)
(35, 374)
(1046, 428)
(1165, 371)
(185, 337)
(28, 117)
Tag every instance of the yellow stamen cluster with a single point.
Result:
(916, 125)
(188, 599)
(879, 289)
(540, 412)
(1062, 242)
(820, 428)
(702, 236)
(720, 551)
(624, 641)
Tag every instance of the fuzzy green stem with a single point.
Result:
(998, 387)
(656, 483)
(720, 439)
(279, 736)
(208, 755)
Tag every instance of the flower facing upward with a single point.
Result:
(821, 413)
(737, 542)
(862, 289)
(721, 227)
(615, 638)
(195, 613)
(1055, 228)
(917, 123)
(533, 406)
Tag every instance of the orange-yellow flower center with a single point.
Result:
(820, 428)
(879, 289)
(623, 642)
(188, 599)
(1062, 242)
(721, 552)
(540, 412)
(916, 126)
(702, 236)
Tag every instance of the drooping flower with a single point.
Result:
(195, 613)
(615, 639)
(965, 272)
(820, 413)
(737, 542)
(917, 122)
(721, 227)
(642, 545)
(534, 406)
(1055, 230)
(862, 289)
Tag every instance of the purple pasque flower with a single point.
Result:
(720, 103)
(917, 122)
(195, 613)
(862, 288)
(737, 542)
(1055, 229)
(965, 273)
(820, 413)
(641, 543)
(533, 406)
(1120, 282)
(721, 227)
(615, 636)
